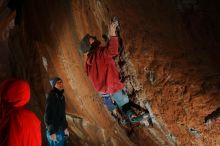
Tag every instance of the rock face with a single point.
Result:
(171, 66)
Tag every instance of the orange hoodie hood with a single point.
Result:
(15, 93)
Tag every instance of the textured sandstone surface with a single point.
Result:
(171, 66)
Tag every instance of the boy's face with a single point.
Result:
(91, 40)
(59, 85)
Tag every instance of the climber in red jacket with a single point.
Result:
(102, 71)
(101, 67)
(18, 125)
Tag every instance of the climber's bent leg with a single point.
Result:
(106, 98)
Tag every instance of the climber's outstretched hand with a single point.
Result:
(112, 28)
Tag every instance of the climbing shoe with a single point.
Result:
(133, 118)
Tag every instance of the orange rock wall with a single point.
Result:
(172, 49)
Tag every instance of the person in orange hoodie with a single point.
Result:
(18, 125)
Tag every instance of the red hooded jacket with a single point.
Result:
(18, 125)
(101, 68)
